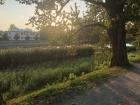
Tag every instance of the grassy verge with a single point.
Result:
(23, 81)
(55, 91)
(134, 56)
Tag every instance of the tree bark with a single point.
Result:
(2, 102)
(117, 34)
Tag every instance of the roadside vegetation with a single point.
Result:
(23, 84)
(66, 64)
(58, 91)
(22, 81)
(134, 56)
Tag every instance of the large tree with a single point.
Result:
(119, 13)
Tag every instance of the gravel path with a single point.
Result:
(123, 90)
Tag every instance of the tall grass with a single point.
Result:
(134, 56)
(102, 57)
(38, 71)
(58, 91)
(19, 82)
(11, 58)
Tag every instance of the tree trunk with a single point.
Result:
(2, 102)
(117, 34)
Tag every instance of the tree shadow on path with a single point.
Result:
(122, 90)
(134, 67)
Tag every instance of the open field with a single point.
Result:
(12, 58)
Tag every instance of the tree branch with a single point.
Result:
(96, 2)
(63, 5)
(92, 25)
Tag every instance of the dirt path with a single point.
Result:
(123, 90)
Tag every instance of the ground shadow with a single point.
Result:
(134, 67)
(122, 90)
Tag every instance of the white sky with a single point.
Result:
(14, 13)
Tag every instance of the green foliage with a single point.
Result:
(134, 56)
(133, 33)
(137, 41)
(10, 58)
(16, 83)
(56, 91)
(16, 37)
(102, 57)
(2, 2)
(27, 38)
(57, 29)
(94, 33)
(5, 37)
(37, 37)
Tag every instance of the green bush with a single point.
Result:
(11, 58)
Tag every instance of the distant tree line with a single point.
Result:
(3, 36)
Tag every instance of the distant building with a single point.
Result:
(15, 33)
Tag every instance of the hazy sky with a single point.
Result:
(14, 13)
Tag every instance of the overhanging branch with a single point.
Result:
(96, 2)
(92, 25)
(62, 6)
